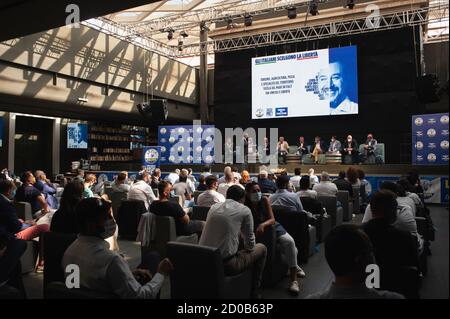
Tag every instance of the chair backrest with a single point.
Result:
(178, 199)
(198, 271)
(380, 152)
(128, 217)
(296, 224)
(330, 204)
(200, 212)
(196, 195)
(108, 191)
(116, 201)
(344, 198)
(311, 205)
(55, 245)
(23, 210)
(165, 232)
(292, 149)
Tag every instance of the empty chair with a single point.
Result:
(128, 218)
(165, 232)
(199, 274)
(200, 212)
(116, 201)
(347, 205)
(330, 204)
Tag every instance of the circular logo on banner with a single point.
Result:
(418, 121)
(431, 157)
(172, 139)
(151, 156)
(163, 149)
(444, 119)
(181, 130)
(431, 132)
(199, 149)
(444, 145)
(209, 159)
(163, 130)
(419, 146)
(171, 158)
(259, 113)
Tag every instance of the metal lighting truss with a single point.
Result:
(414, 17)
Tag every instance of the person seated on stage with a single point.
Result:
(156, 177)
(104, 270)
(349, 151)
(283, 198)
(267, 185)
(210, 196)
(120, 185)
(295, 180)
(30, 194)
(325, 187)
(305, 190)
(348, 251)
(89, 182)
(302, 148)
(343, 184)
(335, 146)
(228, 222)
(369, 150)
(283, 149)
(202, 183)
(313, 179)
(163, 207)
(318, 148)
(263, 218)
(46, 187)
(141, 190)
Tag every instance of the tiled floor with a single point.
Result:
(319, 276)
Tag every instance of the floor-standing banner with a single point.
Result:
(151, 157)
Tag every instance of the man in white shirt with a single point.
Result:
(226, 170)
(120, 185)
(304, 189)
(141, 190)
(173, 177)
(225, 224)
(285, 199)
(295, 180)
(102, 269)
(313, 179)
(210, 196)
(325, 187)
(229, 181)
(283, 149)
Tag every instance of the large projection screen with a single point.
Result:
(311, 83)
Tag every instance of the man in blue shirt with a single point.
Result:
(284, 198)
(266, 185)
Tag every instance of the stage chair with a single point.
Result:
(380, 154)
(199, 274)
(330, 204)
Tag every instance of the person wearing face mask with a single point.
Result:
(11, 225)
(89, 181)
(104, 270)
(263, 217)
(30, 194)
(211, 196)
(349, 151)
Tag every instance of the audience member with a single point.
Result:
(225, 224)
(29, 194)
(229, 181)
(211, 196)
(404, 200)
(120, 185)
(245, 178)
(285, 199)
(46, 188)
(343, 184)
(267, 185)
(206, 171)
(141, 190)
(202, 183)
(102, 269)
(305, 190)
(348, 252)
(325, 187)
(295, 180)
(313, 179)
(65, 220)
(174, 176)
(409, 189)
(155, 178)
(226, 170)
(89, 182)
(352, 177)
(80, 174)
(263, 217)
(163, 207)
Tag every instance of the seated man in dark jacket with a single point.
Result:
(342, 184)
(394, 249)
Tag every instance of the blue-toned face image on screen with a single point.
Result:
(77, 136)
(312, 83)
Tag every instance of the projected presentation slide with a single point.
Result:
(312, 83)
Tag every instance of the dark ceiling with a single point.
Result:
(23, 17)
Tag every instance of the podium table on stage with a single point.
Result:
(333, 158)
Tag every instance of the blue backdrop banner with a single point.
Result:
(187, 144)
(151, 157)
(430, 139)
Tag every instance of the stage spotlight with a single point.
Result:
(229, 23)
(170, 34)
(248, 20)
(313, 7)
(350, 4)
(180, 45)
(292, 12)
(184, 34)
